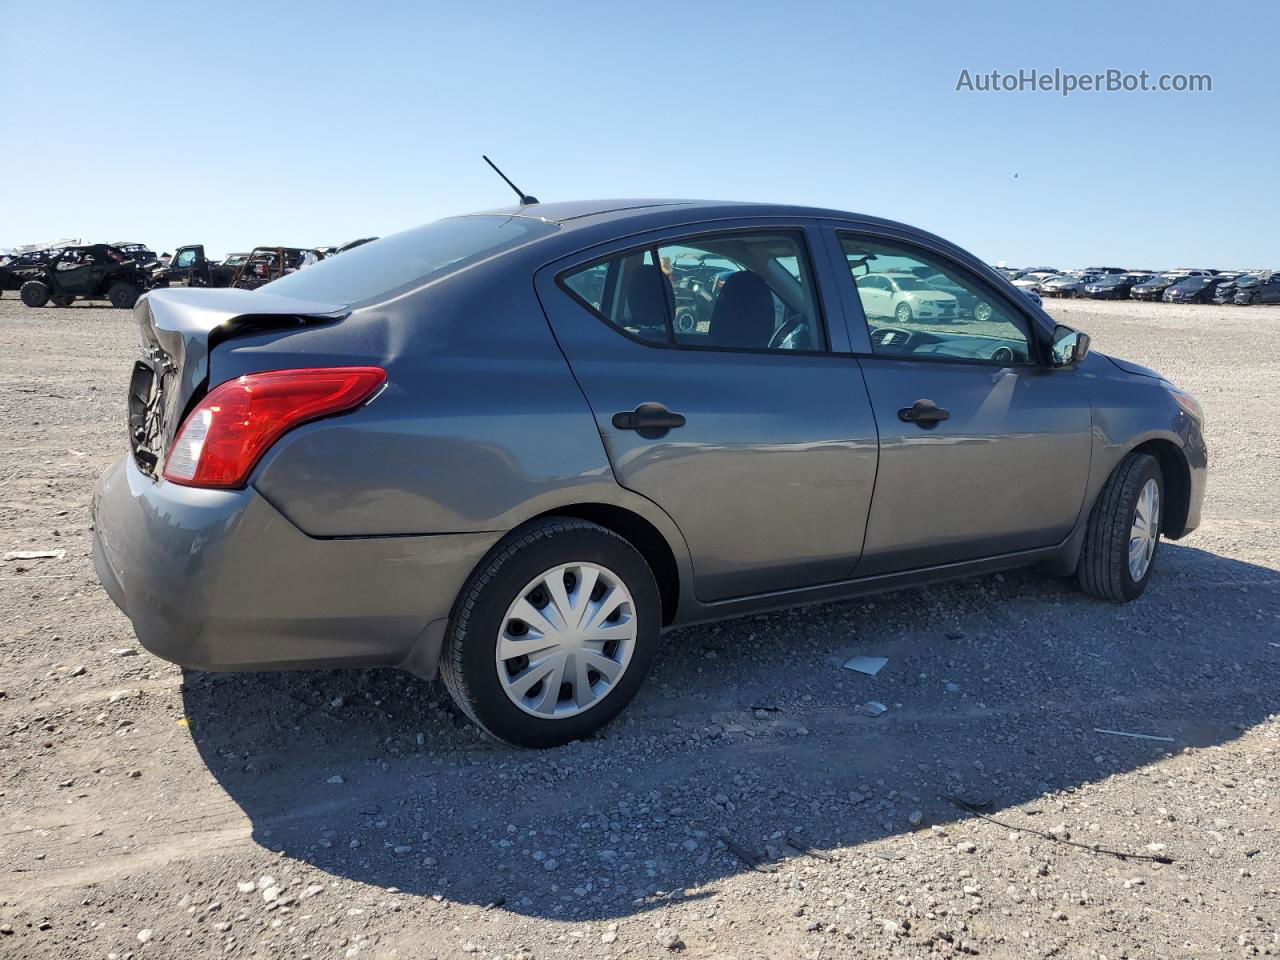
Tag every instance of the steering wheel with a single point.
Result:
(789, 328)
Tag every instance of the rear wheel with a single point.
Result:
(123, 295)
(34, 293)
(1121, 540)
(553, 634)
(62, 301)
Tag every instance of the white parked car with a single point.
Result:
(904, 297)
(1032, 281)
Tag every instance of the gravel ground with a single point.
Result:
(744, 806)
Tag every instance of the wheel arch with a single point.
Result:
(641, 534)
(1178, 488)
(1177, 484)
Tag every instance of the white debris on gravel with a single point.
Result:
(864, 664)
(35, 554)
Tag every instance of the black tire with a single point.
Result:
(123, 295)
(34, 293)
(468, 662)
(1103, 571)
(62, 301)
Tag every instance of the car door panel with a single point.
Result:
(1006, 471)
(770, 477)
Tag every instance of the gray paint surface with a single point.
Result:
(792, 480)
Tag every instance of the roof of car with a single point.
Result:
(567, 211)
(601, 220)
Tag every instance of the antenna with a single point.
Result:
(525, 199)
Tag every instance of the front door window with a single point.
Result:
(921, 306)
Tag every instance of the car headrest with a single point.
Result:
(743, 315)
(649, 297)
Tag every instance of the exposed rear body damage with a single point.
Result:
(179, 329)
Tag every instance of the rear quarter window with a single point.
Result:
(378, 270)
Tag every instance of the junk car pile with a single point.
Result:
(121, 272)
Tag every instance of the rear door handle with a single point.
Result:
(923, 411)
(648, 416)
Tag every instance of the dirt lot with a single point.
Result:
(149, 812)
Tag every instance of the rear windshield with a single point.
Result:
(375, 270)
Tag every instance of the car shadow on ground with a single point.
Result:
(750, 730)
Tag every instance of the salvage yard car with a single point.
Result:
(483, 448)
(1195, 289)
(1032, 282)
(1154, 288)
(1067, 285)
(1113, 286)
(1264, 291)
(190, 267)
(265, 264)
(905, 298)
(94, 272)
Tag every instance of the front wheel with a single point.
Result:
(34, 293)
(1121, 540)
(62, 301)
(553, 634)
(903, 313)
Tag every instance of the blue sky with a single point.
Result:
(318, 122)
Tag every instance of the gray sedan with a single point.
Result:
(486, 449)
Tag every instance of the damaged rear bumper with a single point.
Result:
(221, 580)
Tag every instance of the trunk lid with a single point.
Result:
(179, 329)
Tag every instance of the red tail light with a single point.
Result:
(223, 437)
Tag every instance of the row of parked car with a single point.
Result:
(121, 272)
(1184, 285)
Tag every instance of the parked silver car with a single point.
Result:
(904, 297)
(484, 447)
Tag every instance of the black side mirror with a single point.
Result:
(1069, 346)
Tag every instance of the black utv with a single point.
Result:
(191, 268)
(95, 272)
(138, 252)
(17, 270)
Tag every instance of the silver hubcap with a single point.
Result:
(1145, 530)
(566, 640)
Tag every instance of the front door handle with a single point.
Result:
(923, 411)
(646, 417)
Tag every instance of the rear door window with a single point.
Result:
(733, 291)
